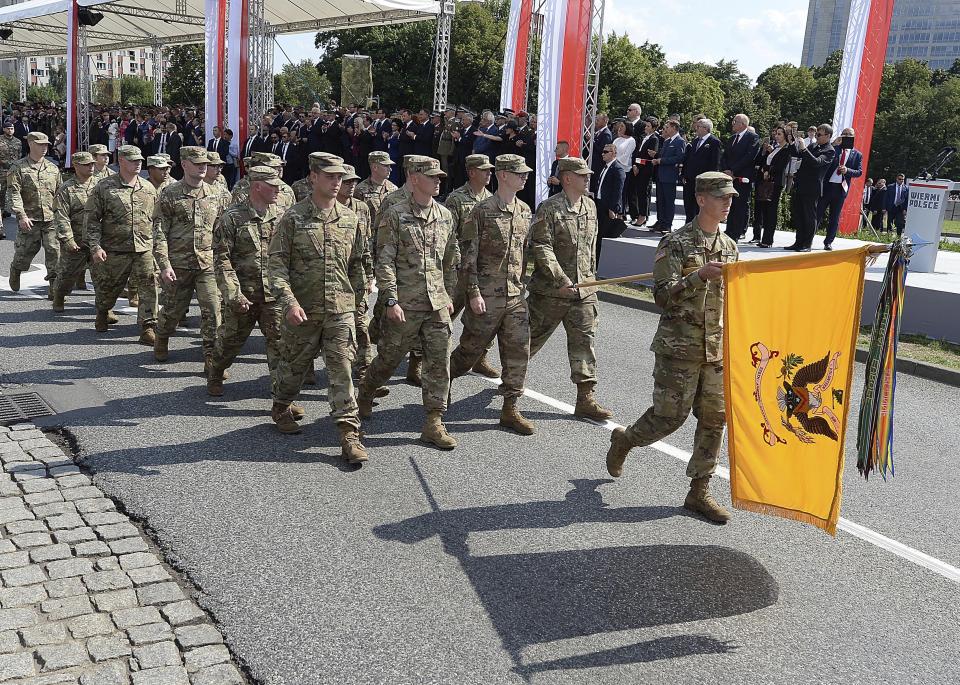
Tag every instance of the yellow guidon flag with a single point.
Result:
(790, 332)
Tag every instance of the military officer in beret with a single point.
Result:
(688, 371)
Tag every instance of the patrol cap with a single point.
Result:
(330, 164)
(38, 137)
(164, 155)
(408, 160)
(514, 163)
(214, 158)
(131, 153)
(574, 164)
(8, 123)
(428, 166)
(195, 154)
(158, 162)
(715, 183)
(380, 157)
(266, 158)
(98, 149)
(81, 158)
(351, 174)
(266, 174)
(478, 162)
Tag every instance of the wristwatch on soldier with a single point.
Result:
(391, 301)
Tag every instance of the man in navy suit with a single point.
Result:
(703, 154)
(738, 162)
(808, 183)
(609, 196)
(601, 138)
(670, 155)
(847, 165)
(895, 199)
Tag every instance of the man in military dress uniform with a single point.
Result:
(119, 219)
(688, 371)
(492, 264)
(564, 247)
(69, 206)
(241, 242)
(417, 257)
(315, 268)
(183, 247)
(32, 183)
(11, 149)
(345, 196)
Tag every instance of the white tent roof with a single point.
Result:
(39, 26)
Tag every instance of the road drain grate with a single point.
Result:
(20, 406)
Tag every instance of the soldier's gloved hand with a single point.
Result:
(71, 245)
(296, 316)
(711, 271)
(25, 223)
(99, 256)
(168, 275)
(241, 305)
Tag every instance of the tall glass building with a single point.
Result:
(927, 30)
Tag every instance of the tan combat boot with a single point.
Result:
(283, 418)
(148, 336)
(101, 323)
(14, 279)
(58, 303)
(435, 433)
(215, 382)
(365, 405)
(413, 371)
(587, 406)
(617, 454)
(484, 369)
(160, 348)
(134, 299)
(350, 446)
(112, 318)
(700, 501)
(510, 417)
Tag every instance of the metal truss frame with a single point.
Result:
(536, 32)
(22, 77)
(172, 17)
(260, 75)
(360, 21)
(83, 92)
(441, 53)
(592, 81)
(158, 73)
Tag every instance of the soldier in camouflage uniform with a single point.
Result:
(564, 247)
(101, 161)
(158, 172)
(460, 203)
(688, 372)
(315, 267)
(362, 210)
(446, 146)
(69, 207)
(183, 248)
(372, 190)
(492, 265)
(302, 189)
(119, 220)
(11, 149)
(417, 257)
(32, 183)
(241, 241)
(214, 178)
(286, 198)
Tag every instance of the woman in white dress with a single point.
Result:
(625, 144)
(113, 131)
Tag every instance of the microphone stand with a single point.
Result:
(930, 171)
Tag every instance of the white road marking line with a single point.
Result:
(866, 534)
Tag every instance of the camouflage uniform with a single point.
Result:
(316, 264)
(376, 322)
(302, 189)
(417, 259)
(119, 219)
(105, 172)
(373, 195)
(241, 191)
(69, 208)
(460, 203)
(241, 243)
(32, 187)
(11, 149)
(364, 350)
(183, 240)
(492, 265)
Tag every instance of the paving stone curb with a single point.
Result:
(83, 599)
(911, 367)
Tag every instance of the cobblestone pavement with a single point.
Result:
(82, 597)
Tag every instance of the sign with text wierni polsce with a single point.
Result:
(926, 203)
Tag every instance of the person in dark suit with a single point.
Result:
(846, 166)
(815, 160)
(668, 158)
(423, 143)
(703, 154)
(738, 162)
(408, 133)
(895, 202)
(295, 158)
(641, 177)
(169, 142)
(601, 137)
(221, 145)
(609, 197)
(561, 151)
(463, 147)
(877, 206)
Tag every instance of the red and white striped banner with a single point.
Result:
(563, 75)
(513, 87)
(238, 46)
(73, 76)
(215, 55)
(861, 72)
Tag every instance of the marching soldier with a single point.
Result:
(315, 268)
(285, 200)
(346, 197)
(374, 189)
(564, 247)
(32, 183)
(183, 247)
(215, 178)
(688, 371)
(416, 273)
(241, 242)
(492, 264)
(11, 149)
(101, 161)
(119, 219)
(460, 203)
(302, 189)
(69, 208)
(158, 172)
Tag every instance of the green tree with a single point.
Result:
(58, 80)
(44, 94)
(135, 90)
(184, 78)
(301, 84)
(476, 54)
(9, 90)
(632, 73)
(790, 90)
(690, 93)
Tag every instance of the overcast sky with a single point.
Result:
(755, 35)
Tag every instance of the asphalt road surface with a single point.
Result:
(511, 559)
